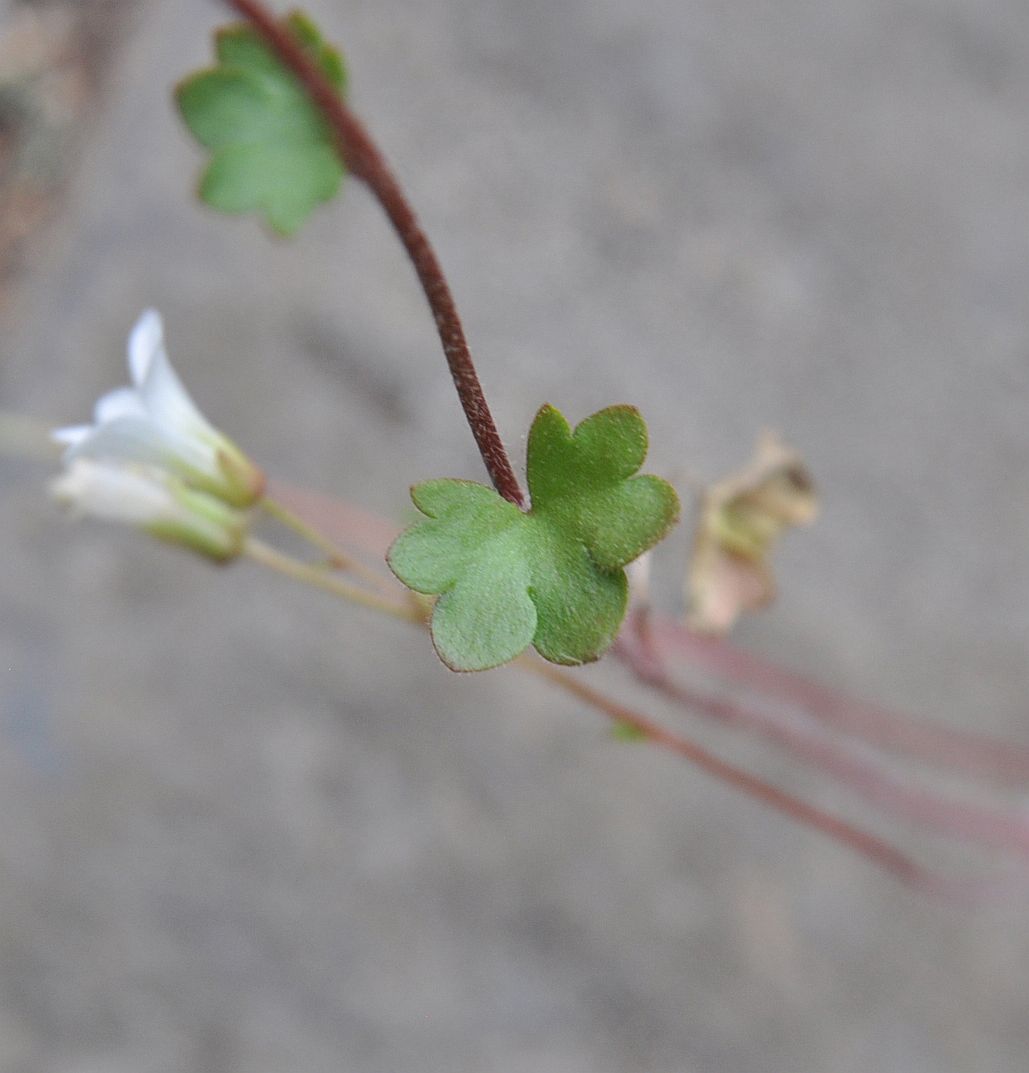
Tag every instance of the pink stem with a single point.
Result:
(960, 751)
(353, 527)
(880, 852)
(955, 819)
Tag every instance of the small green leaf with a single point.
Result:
(551, 577)
(628, 733)
(271, 149)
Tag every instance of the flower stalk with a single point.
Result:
(306, 574)
(335, 557)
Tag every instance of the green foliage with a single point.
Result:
(628, 733)
(551, 577)
(271, 149)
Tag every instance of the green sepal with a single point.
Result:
(271, 149)
(552, 576)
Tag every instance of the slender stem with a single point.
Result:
(877, 850)
(646, 645)
(364, 160)
(971, 754)
(268, 556)
(337, 558)
(868, 845)
(871, 847)
(906, 800)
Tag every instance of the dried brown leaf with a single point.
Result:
(740, 519)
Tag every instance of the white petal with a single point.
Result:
(138, 439)
(122, 402)
(160, 389)
(138, 496)
(145, 341)
(156, 423)
(72, 435)
(168, 403)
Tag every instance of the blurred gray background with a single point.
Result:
(247, 829)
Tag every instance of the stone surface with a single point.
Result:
(246, 829)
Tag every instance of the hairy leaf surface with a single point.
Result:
(553, 576)
(271, 149)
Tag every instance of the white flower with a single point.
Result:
(155, 501)
(156, 423)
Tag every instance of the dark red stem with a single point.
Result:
(355, 529)
(906, 800)
(363, 159)
(970, 754)
(868, 845)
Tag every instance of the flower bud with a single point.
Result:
(154, 501)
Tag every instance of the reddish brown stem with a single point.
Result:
(371, 534)
(970, 754)
(363, 159)
(956, 819)
(868, 845)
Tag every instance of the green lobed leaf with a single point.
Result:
(271, 149)
(553, 576)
